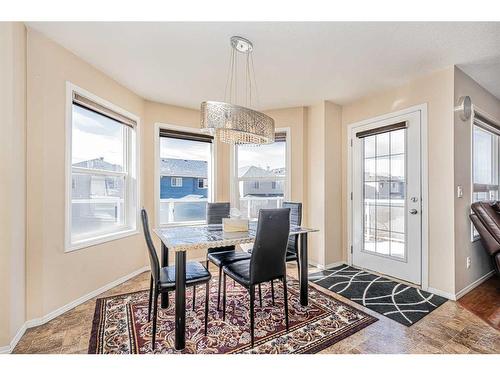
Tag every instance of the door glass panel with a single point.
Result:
(384, 193)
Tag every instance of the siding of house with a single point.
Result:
(265, 188)
(189, 187)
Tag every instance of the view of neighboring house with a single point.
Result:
(183, 178)
(392, 188)
(259, 182)
(85, 186)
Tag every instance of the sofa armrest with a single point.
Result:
(489, 242)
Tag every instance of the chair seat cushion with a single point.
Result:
(221, 249)
(221, 259)
(195, 273)
(239, 271)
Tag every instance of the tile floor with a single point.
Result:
(449, 329)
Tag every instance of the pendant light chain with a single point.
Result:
(230, 122)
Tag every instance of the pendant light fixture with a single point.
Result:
(233, 123)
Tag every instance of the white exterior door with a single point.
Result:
(386, 197)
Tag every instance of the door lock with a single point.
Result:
(413, 211)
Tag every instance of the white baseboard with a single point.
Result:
(441, 293)
(9, 348)
(473, 285)
(324, 267)
(464, 291)
(61, 310)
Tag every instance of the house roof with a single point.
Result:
(99, 163)
(183, 168)
(252, 171)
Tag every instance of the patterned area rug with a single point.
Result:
(120, 323)
(399, 302)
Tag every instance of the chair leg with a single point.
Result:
(285, 296)
(150, 298)
(272, 291)
(194, 296)
(298, 267)
(224, 298)
(207, 295)
(218, 290)
(260, 295)
(252, 323)
(155, 313)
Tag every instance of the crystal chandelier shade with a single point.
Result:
(232, 123)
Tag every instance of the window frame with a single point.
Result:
(177, 184)
(132, 191)
(233, 173)
(204, 183)
(212, 180)
(495, 130)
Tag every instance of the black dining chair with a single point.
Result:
(163, 279)
(292, 254)
(267, 262)
(221, 256)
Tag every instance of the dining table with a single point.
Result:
(183, 239)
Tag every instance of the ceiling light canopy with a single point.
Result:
(232, 123)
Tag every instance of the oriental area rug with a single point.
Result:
(121, 326)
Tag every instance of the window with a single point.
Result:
(202, 183)
(176, 181)
(485, 145)
(185, 170)
(260, 176)
(103, 171)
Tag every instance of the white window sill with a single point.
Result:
(100, 240)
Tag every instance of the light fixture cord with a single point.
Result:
(255, 81)
(229, 74)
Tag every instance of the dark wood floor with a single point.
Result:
(484, 301)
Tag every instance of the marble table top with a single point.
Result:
(185, 238)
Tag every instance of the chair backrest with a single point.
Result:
(295, 219)
(269, 249)
(153, 257)
(217, 211)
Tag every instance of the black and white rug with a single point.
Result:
(399, 302)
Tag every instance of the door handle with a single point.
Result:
(413, 211)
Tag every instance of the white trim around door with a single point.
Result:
(422, 109)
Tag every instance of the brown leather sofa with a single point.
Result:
(486, 218)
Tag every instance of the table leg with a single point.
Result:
(164, 263)
(303, 269)
(180, 300)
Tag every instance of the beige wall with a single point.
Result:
(333, 184)
(324, 182)
(480, 261)
(13, 179)
(436, 90)
(54, 277)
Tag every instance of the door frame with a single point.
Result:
(422, 108)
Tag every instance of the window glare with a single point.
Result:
(94, 137)
(102, 195)
(185, 170)
(483, 156)
(261, 177)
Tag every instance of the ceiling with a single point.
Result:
(296, 63)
